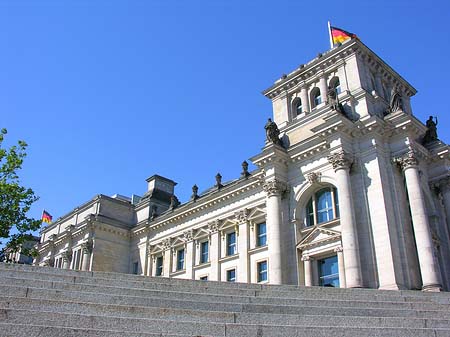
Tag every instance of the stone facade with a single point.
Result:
(348, 196)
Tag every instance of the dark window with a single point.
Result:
(261, 234)
(316, 98)
(159, 266)
(204, 278)
(204, 252)
(135, 268)
(231, 275)
(297, 106)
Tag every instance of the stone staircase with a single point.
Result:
(47, 302)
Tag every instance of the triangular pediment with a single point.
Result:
(317, 236)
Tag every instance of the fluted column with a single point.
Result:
(67, 257)
(243, 270)
(307, 264)
(323, 88)
(305, 99)
(214, 251)
(444, 189)
(189, 255)
(341, 162)
(86, 260)
(274, 189)
(341, 266)
(421, 226)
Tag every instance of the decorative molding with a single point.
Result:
(67, 256)
(340, 160)
(306, 258)
(314, 177)
(87, 247)
(188, 235)
(213, 226)
(338, 249)
(166, 243)
(274, 187)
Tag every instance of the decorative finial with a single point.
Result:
(218, 181)
(194, 195)
(244, 173)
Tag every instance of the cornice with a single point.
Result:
(182, 213)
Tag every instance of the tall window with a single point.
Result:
(204, 252)
(322, 207)
(159, 266)
(316, 97)
(231, 243)
(261, 234)
(231, 275)
(180, 259)
(329, 272)
(262, 271)
(135, 268)
(297, 106)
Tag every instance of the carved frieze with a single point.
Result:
(213, 226)
(313, 177)
(340, 160)
(242, 215)
(166, 243)
(188, 235)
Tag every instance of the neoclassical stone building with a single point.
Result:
(350, 190)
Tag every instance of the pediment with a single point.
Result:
(318, 236)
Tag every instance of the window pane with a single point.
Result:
(336, 202)
(231, 243)
(180, 259)
(261, 234)
(262, 271)
(310, 213)
(204, 278)
(299, 107)
(204, 252)
(329, 272)
(324, 206)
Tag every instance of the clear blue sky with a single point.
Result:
(108, 93)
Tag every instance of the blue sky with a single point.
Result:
(108, 93)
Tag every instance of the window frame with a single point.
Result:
(159, 269)
(261, 236)
(260, 272)
(316, 97)
(202, 253)
(228, 272)
(231, 247)
(312, 211)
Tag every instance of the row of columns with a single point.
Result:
(86, 250)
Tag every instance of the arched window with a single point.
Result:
(322, 207)
(336, 84)
(297, 107)
(316, 99)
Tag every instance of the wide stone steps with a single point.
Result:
(38, 301)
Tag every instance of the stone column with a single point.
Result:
(444, 189)
(86, 260)
(67, 257)
(323, 88)
(189, 254)
(305, 99)
(274, 189)
(214, 250)
(309, 277)
(243, 270)
(167, 258)
(341, 162)
(421, 226)
(341, 266)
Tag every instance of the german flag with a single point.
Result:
(46, 217)
(339, 35)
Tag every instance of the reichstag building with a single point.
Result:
(350, 190)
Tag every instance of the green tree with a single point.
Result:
(15, 200)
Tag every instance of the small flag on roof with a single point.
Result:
(338, 35)
(46, 217)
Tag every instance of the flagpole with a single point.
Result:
(329, 33)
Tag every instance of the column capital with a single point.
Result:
(242, 215)
(166, 243)
(338, 249)
(340, 160)
(87, 247)
(213, 226)
(306, 258)
(274, 187)
(49, 262)
(408, 160)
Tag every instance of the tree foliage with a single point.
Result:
(15, 200)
